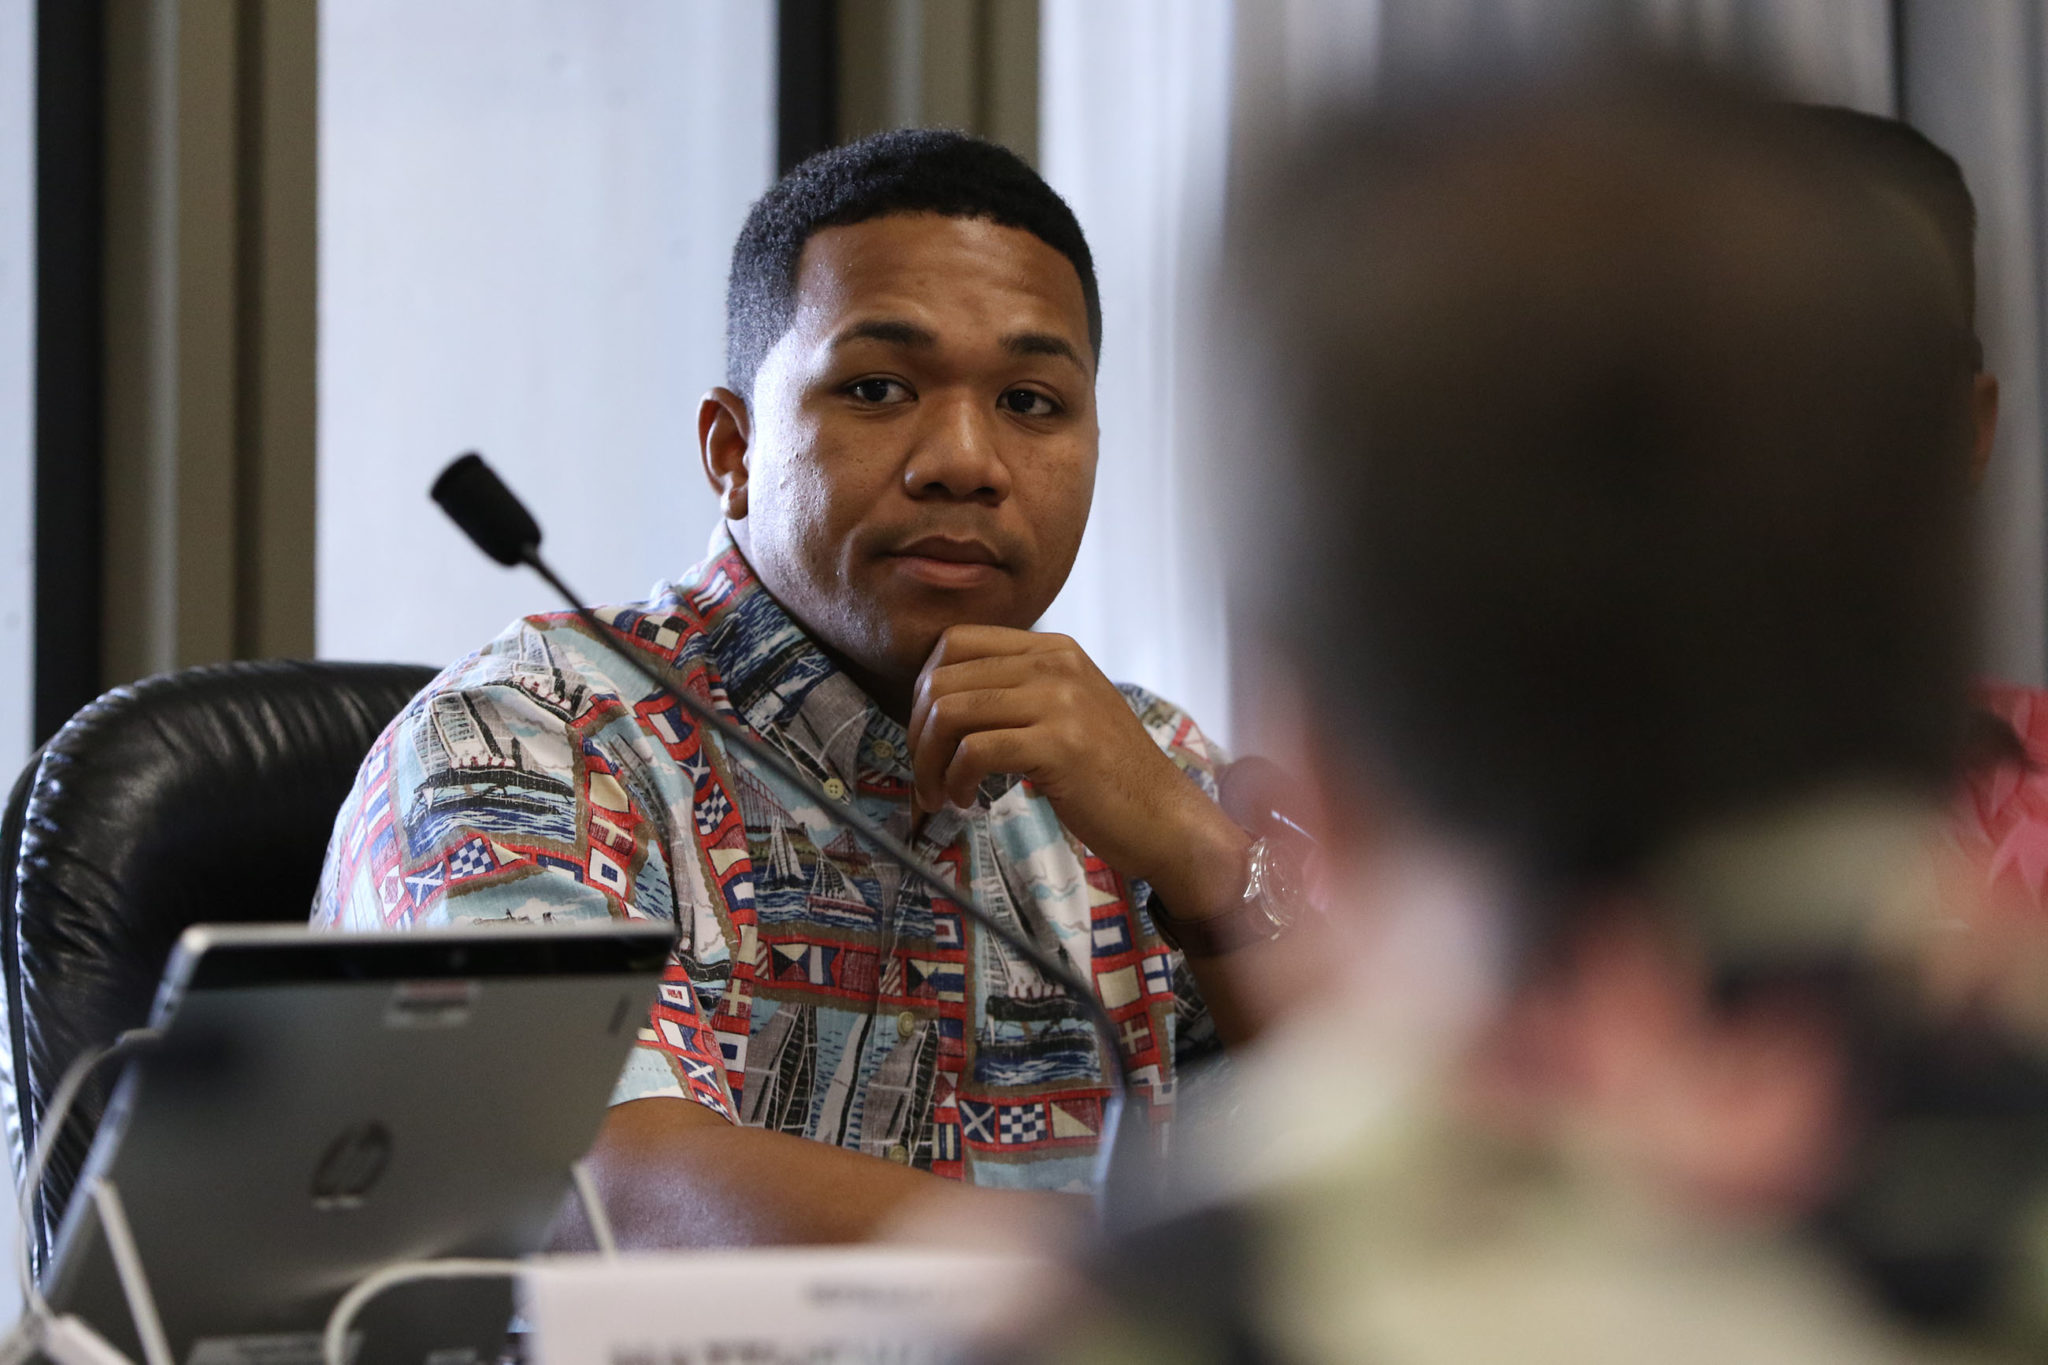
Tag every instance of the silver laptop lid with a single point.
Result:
(323, 1104)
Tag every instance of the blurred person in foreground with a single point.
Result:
(1635, 703)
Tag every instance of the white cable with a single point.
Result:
(149, 1328)
(39, 1328)
(65, 1339)
(70, 1340)
(34, 1305)
(334, 1341)
(593, 1209)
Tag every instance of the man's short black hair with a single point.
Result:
(911, 170)
(1902, 157)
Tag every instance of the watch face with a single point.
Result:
(1274, 887)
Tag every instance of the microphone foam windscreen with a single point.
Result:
(478, 501)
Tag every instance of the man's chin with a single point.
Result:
(910, 609)
(911, 637)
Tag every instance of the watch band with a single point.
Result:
(1263, 913)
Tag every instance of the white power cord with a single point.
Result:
(334, 1341)
(149, 1328)
(593, 1209)
(67, 1340)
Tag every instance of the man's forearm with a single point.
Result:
(673, 1174)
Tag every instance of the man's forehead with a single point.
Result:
(932, 271)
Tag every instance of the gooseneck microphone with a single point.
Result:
(478, 501)
(489, 513)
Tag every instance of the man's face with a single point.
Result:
(923, 439)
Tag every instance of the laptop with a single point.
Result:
(322, 1105)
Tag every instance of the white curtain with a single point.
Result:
(17, 383)
(1134, 132)
(17, 438)
(1143, 100)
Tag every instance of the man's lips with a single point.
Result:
(946, 562)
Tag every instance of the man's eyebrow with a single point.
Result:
(897, 332)
(890, 331)
(1043, 343)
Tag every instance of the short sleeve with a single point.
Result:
(1195, 1038)
(521, 788)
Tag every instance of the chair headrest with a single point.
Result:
(202, 795)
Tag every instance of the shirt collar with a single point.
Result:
(778, 679)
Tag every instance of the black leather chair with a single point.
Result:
(203, 795)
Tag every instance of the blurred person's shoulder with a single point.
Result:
(1369, 1220)
(1438, 1242)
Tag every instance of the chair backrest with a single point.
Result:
(203, 795)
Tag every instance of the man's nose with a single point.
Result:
(956, 456)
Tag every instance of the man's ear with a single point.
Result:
(1984, 411)
(724, 436)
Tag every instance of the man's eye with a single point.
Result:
(878, 390)
(1028, 403)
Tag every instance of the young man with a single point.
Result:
(904, 454)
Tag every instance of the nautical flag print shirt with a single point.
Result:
(815, 990)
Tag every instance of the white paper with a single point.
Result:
(809, 1305)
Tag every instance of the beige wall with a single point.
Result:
(211, 137)
(967, 64)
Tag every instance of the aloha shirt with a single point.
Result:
(814, 989)
(2001, 815)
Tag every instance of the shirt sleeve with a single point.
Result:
(512, 793)
(1194, 1037)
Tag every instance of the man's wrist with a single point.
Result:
(1269, 904)
(1205, 876)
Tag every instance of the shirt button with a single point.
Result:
(835, 789)
(884, 750)
(906, 1024)
(900, 1154)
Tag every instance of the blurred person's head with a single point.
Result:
(906, 439)
(1904, 161)
(1574, 402)
(1569, 537)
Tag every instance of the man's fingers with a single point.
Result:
(986, 752)
(983, 681)
(946, 720)
(969, 644)
(1051, 659)
(993, 673)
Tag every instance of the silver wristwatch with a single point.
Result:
(1272, 903)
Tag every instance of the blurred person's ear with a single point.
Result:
(724, 435)
(1984, 413)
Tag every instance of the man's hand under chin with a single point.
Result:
(996, 700)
